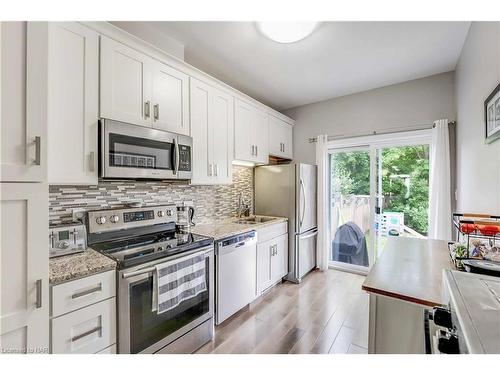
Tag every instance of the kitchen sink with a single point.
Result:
(254, 220)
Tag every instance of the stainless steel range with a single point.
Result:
(470, 321)
(141, 240)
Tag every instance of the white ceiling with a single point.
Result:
(339, 58)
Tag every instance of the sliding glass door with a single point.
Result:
(379, 188)
(350, 208)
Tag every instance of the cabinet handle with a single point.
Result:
(156, 112)
(210, 170)
(216, 170)
(256, 151)
(84, 334)
(147, 109)
(87, 292)
(38, 150)
(283, 147)
(38, 286)
(92, 161)
(253, 150)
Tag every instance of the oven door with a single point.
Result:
(141, 330)
(134, 152)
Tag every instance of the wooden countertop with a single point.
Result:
(410, 269)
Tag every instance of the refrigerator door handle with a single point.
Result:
(312, 234)
(302, 211)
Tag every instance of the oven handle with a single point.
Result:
(150, 269)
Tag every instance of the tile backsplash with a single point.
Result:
(210, 202)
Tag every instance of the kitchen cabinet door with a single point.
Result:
(260, 136)
(223, 138)
(200, 94)
(279, 260)
(73, 104)
(280, 138)
(264, 251)
(24, 306)
(125, 83)
(288, 141)
(244, 149)
(170, 104)
(23, 101)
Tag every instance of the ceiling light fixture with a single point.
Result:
(287, 32)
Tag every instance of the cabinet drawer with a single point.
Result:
(271, 231)
(87, 330)
(109, 350)
(76, 294)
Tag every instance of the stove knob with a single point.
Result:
(114, 218)
(100, 220)
(442, 317)
(169, 212)
(161, 248)
(448, 343)
(161, 213)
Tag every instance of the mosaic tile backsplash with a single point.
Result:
(211, 203)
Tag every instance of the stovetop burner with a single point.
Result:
(137, 250)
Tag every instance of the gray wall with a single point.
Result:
(478, 164)
(407, 104)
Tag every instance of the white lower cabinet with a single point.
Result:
(272, 259)
(84, 315)
(88, 330)
(24, 268)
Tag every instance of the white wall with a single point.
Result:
(406, 104)
(148, 34)
(478, 164)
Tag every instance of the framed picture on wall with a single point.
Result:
(492, 116)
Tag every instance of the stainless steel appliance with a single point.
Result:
(67, 239)
(139, 239)
(185, 215)
(136, 152)
(470, 321)
(236, 274)
(290, 190)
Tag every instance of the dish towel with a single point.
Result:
(178, 280)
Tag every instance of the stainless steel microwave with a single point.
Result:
(136, 152)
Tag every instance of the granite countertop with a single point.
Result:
(410, 269)
(75, 266)
(230, 227)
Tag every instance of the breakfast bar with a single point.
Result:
(405, 280)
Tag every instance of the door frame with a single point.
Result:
(372, 143)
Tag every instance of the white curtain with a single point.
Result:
(323, 244)
(439, 185)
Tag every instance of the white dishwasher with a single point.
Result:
(236, 274)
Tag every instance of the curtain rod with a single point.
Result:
(386, 131)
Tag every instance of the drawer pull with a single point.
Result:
(84, 334)
(87, 292)
(38, 286)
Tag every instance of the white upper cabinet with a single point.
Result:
(170, 99)
(142, 91)
(280, 138)
(125, 83)
(212, 123)
(250, 133)
(223, 136)
(73, 104)
(23, 105)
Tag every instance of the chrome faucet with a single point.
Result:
(243, 209)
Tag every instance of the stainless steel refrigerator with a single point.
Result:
(289, 190)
